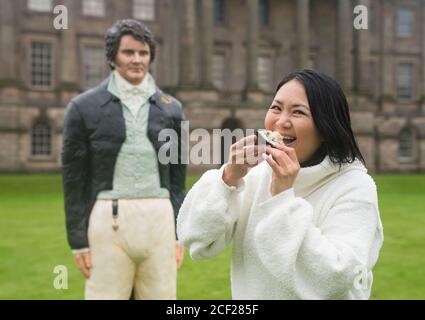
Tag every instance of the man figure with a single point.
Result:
(119, 198)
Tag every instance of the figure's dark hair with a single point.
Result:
(329, 108)
(124, 27)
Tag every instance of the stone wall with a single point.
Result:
(364, 62)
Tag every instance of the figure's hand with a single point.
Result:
(242, 156)
(83, 262)
(179, 255)
(285, 165)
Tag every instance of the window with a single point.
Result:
(144, 9)
(405, 151)
(265, 73)
(219, 11)
(41, 64)
(405, 23)
(94, 8)
(404, 81)
(41, 142)
(40, 5)
(218, 70)
(94, 64)
(264, 13)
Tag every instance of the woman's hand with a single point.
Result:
(285, 165)
(243, 155)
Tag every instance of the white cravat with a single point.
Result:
(133, 96)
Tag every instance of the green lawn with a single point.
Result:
(32, 243)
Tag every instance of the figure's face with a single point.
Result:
(132, 59)
(290, 115)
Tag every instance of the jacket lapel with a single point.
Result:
(111, 109)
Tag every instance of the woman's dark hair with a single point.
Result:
(127, 27)
(329, 108)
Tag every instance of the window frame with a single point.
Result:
(410, 132)
(52, 43)
(91, 15)
(219, 17)
(224, 56)
(138, 3)
(264, 23)
(269, 88)
(83, 78)
(412, 31)
(50, 10)
(32, 155)
(403, 99)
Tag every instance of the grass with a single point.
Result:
(399, 273)
(33, 242)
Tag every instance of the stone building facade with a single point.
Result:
(222, 59)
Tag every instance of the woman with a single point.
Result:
(305, 222)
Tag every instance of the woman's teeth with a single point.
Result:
(288, 141)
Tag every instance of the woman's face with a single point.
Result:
(290, 115)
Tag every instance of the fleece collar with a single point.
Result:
(311, 178)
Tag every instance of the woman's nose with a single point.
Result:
(284, 121)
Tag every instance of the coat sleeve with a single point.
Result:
(208, 216)
(178, 170)
(318, 262)
(75, 172)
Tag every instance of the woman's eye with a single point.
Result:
(275, 107)
(299, 112)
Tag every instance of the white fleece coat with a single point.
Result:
(318, 240)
